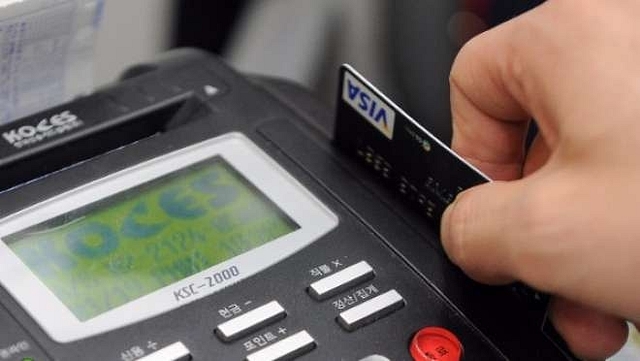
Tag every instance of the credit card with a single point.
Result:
(406, 157)
(399, 150)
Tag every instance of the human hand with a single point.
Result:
(563, 217)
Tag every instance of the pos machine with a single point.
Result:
(191, 213)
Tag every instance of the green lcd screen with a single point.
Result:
(111, 252)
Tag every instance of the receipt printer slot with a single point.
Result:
(49, 141)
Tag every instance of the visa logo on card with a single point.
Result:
(365, 102)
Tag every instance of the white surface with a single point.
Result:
(328, 284)
(173, 352)
(371, 307)
(249, 320)
(284, 38)
(283, 348)
(249, 160)
(631, 350)
(47, 48)
(307, 40)
(64, 55)
(132, 32)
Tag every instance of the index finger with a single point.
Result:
(490, 120)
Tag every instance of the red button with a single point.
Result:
(435, 344)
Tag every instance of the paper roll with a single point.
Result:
(46, 53)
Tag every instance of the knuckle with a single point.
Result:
(464, 59)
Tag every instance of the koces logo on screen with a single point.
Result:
(372, 108)
(44, 129)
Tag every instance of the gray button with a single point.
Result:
(371, 310)
(340, 281)
(174, 352)
(250, 321)
(289, 348)
(375, 358)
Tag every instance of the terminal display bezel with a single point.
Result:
(293, 199)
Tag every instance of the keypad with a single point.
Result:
(250, 321)
(340, 281)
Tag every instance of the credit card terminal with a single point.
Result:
(189, 212)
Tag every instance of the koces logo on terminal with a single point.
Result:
(372, 108)
(44, 129)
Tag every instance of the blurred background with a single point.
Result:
(405, 47)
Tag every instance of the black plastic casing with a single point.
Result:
(166, 108)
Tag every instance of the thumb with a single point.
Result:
(481, 228)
